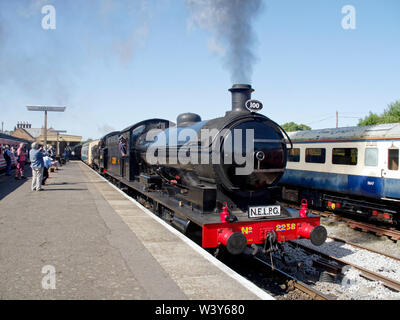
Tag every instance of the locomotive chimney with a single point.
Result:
(240, 94)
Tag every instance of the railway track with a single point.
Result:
(337, 268)
(364, 248)
(389, 232)
(294, 283)
(333, 269)
(379, 231)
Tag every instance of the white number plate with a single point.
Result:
(256, 212)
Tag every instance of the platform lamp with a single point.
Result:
(58, 143)
(45, 109)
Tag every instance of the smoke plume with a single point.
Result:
(43, 71)
(230, 23)
(105, 128)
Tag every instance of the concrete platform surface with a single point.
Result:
(82, 238)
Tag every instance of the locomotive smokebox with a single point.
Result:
(240, 94)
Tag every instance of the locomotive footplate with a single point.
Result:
(195, 215)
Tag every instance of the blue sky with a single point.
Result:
(114, 63)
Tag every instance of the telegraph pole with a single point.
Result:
(45, 128)
(337, 119)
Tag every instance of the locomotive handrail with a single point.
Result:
(241, 119)
(269, 140)
(287, 136)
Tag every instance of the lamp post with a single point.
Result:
(45, 109)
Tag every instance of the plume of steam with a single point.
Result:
(230, 23)
(29, 8)
(37, 71)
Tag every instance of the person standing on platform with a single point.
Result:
(51, 153)
(47, 165)
(37, 164)
(7, 157)
(20, 161)
(67, 154)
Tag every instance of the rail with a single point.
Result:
(313, 293)
(368, 274)
(389, 232)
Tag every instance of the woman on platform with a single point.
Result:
(20, 161)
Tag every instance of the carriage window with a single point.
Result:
(315, 155)
(294, 155)
(345, 156)
(393, 159)
(371, 157)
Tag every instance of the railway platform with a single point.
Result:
(82, 238)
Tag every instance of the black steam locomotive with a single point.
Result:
(219, 175)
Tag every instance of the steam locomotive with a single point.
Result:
(219, 175)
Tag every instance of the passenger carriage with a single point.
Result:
(88, 152)
(12, 142)
(353, 169)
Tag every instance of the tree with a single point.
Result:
(291, 126)
(390, 115)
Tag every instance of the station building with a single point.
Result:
(25, 131)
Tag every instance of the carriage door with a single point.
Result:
(391, 175)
